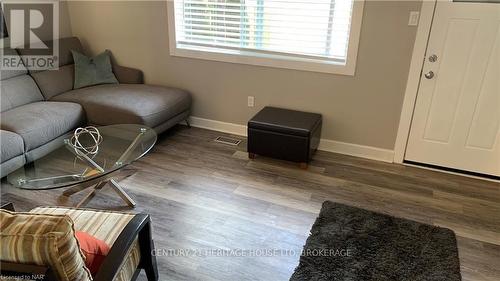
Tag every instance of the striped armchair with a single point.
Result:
(42, 244)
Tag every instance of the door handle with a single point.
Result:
(429, 75)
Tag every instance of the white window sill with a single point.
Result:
(263, 59)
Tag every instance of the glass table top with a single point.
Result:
(66, 165)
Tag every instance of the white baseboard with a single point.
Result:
(230, 128)
(370, 152)
(358, 150)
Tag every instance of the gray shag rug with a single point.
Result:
(352, 244)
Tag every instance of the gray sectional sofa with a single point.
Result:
(38, 108)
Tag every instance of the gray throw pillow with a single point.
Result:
(93, 71)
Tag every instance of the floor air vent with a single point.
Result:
(228, 140)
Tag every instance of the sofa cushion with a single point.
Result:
(90, 71)
(16, 87)
(46, 240)
(129, 103)
(105, 225)
(65, 47)
(14, 60)
(55, 82)
(17, 91)
(40, 122)
(94, 250)
(11, 144)
(11, 165)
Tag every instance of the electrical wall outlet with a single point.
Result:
(251, 101)
(414, 16)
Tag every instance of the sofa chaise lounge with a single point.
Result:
(38, 108)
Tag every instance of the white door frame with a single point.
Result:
(413, 82)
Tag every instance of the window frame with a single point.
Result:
(276, 60)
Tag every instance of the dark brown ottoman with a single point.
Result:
(284, 134)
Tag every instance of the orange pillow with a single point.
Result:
(95, 250)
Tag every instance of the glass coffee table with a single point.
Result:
(67, 166)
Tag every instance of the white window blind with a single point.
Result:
(302, 28)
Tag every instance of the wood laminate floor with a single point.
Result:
(203, 196)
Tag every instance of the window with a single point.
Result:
(314, 35)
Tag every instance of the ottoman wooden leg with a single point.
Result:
(252, 155)
(303, 165)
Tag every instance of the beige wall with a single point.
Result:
(64, 21)
(363, 109)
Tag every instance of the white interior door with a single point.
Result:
(457, 113)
